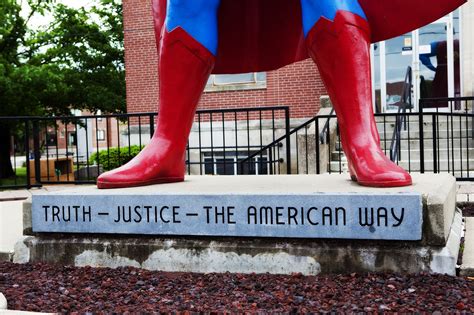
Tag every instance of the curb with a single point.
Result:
(3, 302)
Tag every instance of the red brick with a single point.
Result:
(298, 86)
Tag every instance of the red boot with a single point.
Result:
(340, 48)
(184, 67)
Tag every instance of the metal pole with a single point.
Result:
(36, 151)
(435, 147)
(27, 151)
(421, 137)
(288, 141)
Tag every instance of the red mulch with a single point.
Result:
(50, 288)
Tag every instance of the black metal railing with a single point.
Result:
(224, 142)
(76, 149)
(401, 122)
(447, 144)
(438, 140)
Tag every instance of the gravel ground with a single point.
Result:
(49, 288)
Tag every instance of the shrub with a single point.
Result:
(114, 157)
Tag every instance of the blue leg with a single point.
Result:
(197, 17)
(313, 10)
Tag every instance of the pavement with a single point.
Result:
(11, 216)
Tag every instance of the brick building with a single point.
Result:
(298, 85)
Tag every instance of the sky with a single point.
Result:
(38, 20)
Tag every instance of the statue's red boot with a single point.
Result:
(184, 68)
(340, 48)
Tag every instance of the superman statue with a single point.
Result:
(199, 37)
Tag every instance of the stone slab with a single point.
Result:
(244, 255)
(435, 192)
(467, 267)
(267, 212)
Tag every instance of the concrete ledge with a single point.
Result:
(3, 302)
(309, 257)
(467, 267)
(438, 192)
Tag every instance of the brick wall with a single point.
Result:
(298, 85)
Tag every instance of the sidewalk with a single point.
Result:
(11, 216)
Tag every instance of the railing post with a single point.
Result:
(435, 146)
(288, 141)
(421, 137)
(317, 143)
(270, 160)
(36, 151)
(27, 153)
(152, 125)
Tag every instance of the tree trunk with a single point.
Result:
(6, 169)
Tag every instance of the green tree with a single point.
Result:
(76, 62)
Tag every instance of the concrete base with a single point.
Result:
(436, 252)
(467, 267)
(309, 257)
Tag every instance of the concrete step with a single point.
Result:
(414, 143)
(441, 144)
(414, 154)
(467, 267)
(441, 125)
(427, 119)
(414, 166)
(428, 134)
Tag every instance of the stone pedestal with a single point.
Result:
(278, 224)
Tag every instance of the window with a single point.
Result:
(71, 138)
(51, 139)
(100, 135)
(229, 164)
(241, 81)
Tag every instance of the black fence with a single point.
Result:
(438, 138)
(60, 150)
(76, 149)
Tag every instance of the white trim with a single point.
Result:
(450, 47)
(416, 69)
(461, 51)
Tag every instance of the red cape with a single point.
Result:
(263, 35)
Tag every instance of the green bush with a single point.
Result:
(114, 157)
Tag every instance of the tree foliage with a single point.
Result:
(74, 62)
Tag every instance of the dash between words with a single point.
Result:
(263, 215)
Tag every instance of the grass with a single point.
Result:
(17, 180)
